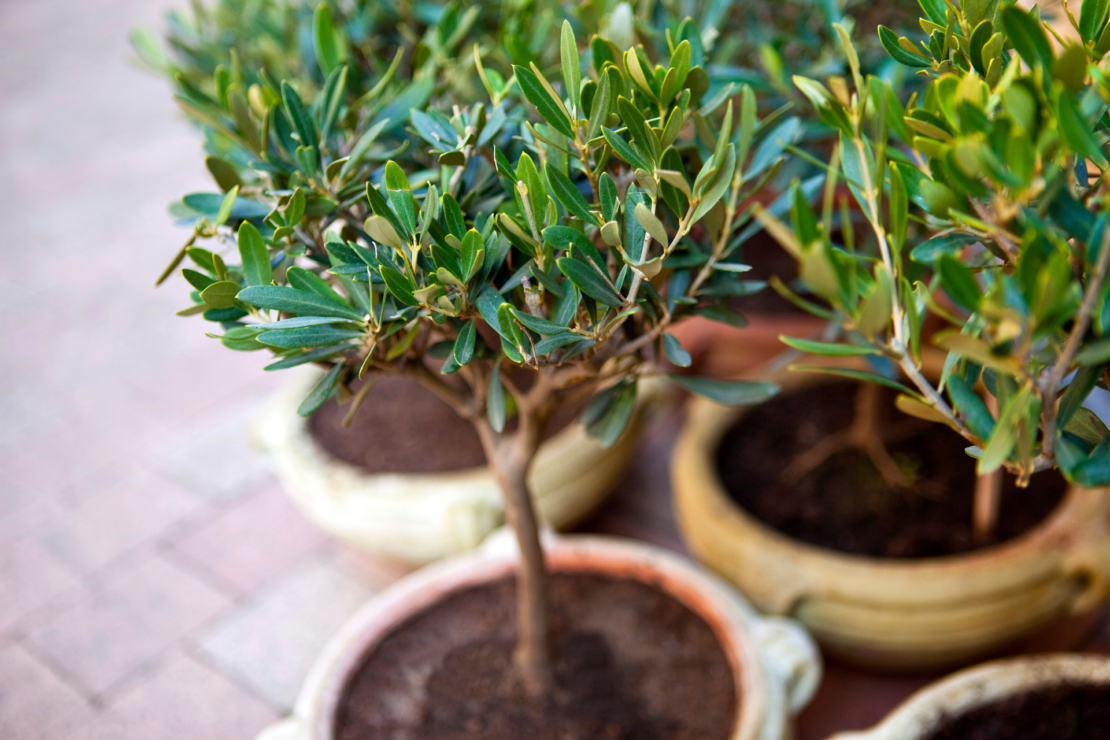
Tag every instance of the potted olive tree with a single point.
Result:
(987, 209)
(510, 289)
(368, 478)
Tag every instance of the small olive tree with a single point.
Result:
(986, 202)
(541, 257)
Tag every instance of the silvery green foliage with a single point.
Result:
(560, 221)
(986, 206)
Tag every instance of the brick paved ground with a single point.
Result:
(154, 582)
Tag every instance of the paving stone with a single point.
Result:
(30, 577)
(181, 699)
(215, 458)
(252, 541)
(120, 511)
(124, 625)
(34, 703)
(270, 642)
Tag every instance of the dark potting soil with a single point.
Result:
(845, 504)
(401, 427)
(633, 663)
(1063, 712)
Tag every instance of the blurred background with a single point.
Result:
(154, 580)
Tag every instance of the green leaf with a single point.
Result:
(223, 173)
(1076, 132)
(828, 349)
(674, 351)
(1076, 393)
(221, 294)
(326, 41)
(303, 358)
(321, 392)
(572, 68)
(566, 193)
(527, 173)
(959, 282)
(930, 251)
(302, 279)
(727, 392)
(652, 225)
(362, 146)
(968, 403)
(464, 343)
(538, 324)
(1092, 19)
(1024, 32)
(587, 279)
(291, 300)
(608, 197)
(607, 415)
(854, 375)
(495, 400)
(599, 111)
(553, 342)
(255, 256)
(624, 150)
(889, 40)
(307, 336)
(399, 285)
(224, 213)
(302, 122)
(537, 95)
(717, 186)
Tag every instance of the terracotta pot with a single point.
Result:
(896, 614)
(981, 685)
(418, 518)
(776, 665)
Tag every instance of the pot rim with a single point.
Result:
(706, 424)
(982, 684)
(761, 678)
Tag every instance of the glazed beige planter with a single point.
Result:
(775, 664)
(418, 518)
(974, 687)
(900, 614)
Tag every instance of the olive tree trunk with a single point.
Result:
(510, 456)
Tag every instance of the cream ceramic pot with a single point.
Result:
(775, 664)
(418, 518)
(985, 684)
(898, 614)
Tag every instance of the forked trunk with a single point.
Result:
(510, 456)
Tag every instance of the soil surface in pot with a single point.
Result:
(402, 427)
(845, 504)
(633, 663)
(1063, 712)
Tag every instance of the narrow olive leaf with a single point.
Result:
(325, 39)
(608, 197)
(1076, 393)
(303, 358)
(220, 294)
(302, 279)
(828, 349)
(572, 68)
(959, 282)
(613, 419)
(1093, 15)
(674, 351)
(495, 400)
(537, 95)
(553, 342)
(1025, 34)
(538, 324)
(717, 186)
(599, 107)
(255, 256)
(307, 336)
(971, 406)
(913, 407)
(291, 300)
(624, 150)
(587, 279)
(362, 146)
(727, 392)
(224, 213)
(400, 286)
(651, 224)
(321, 392)
(464, 343)
(854, 375)
(1076, 132)
(889, 40)
(568, 195)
